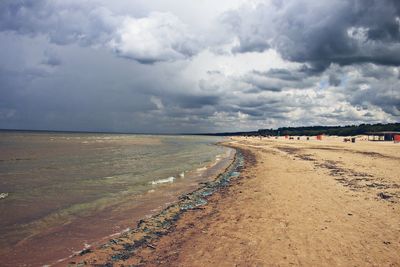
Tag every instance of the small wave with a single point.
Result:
(119, 233)
(163, 181)
(86, 248)
(3, 195)
(182, 175)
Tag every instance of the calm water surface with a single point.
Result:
(49, 179)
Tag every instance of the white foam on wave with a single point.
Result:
(119, 233)
(163, 181)
(85, 247)
(3, 195)
(201, 169)
(182, 175)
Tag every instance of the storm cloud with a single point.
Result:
(343, 32)
(175, 66)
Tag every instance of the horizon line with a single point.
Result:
(204, 133)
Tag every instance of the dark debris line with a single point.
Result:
(348, 178)
(158, 225)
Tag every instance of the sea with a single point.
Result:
(63, 192)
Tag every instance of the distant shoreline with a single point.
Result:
(339, 130)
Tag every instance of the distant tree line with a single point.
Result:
(349, 130)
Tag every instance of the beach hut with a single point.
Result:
(397, 138)
(382, 136)
(319, 137)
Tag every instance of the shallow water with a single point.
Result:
(48, 180)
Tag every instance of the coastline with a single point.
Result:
(148, 230)
(295, 203)
(95, 228)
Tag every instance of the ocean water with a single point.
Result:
(49, 180)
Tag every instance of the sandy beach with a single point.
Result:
(296, 202)
(199, 133)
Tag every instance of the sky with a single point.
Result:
(180, 66)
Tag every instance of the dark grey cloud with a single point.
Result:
(277, 80)
(197, 101)
(343, 32)
(334, 79)
(283, 74)
(377, 72)
(61, 23)
(379, 90)
(246, 45)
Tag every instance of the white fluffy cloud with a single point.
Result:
(157, 37)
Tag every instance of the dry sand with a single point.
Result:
(297, 202)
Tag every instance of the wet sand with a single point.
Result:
(311, 203)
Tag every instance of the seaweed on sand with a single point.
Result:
(150, 229)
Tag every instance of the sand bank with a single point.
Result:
(296, 202)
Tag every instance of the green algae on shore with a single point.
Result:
(150, 229)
